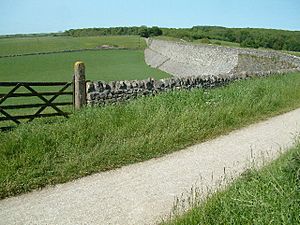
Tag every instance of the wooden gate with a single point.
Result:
(48, 100)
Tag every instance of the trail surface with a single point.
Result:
(143, 193)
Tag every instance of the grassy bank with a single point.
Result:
(98, 139)
(267, 196)
(9, 46)
(200, 41)
(294, 53)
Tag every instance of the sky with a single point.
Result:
(42, 16)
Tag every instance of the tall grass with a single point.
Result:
(267, 196)
(98, 139)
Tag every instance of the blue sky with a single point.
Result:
(34, 16)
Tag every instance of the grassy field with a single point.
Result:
(98, 139)
(267, 196)
(9, 46)
(100, 65)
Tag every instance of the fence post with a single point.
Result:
(79, 85)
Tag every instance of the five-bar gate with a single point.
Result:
(47, 97)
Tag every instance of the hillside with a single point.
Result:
(184, 59)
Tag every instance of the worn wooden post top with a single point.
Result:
(79, 69)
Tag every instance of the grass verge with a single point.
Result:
(267, 196)
(98, 139)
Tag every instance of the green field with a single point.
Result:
(100, 65)
(102, 138)
(9, 46)
(267, 196)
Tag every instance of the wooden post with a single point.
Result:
(79, 85)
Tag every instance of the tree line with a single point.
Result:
(142, 31)
(247, 37)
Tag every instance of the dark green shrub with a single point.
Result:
(205, 41)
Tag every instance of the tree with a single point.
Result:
(249, 42)
(150, 32)
(144, 32)
(155, 31)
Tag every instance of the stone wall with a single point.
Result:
(101, 93)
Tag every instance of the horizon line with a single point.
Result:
(57, 32)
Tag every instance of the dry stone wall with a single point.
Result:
(102, 93)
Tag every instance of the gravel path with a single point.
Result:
(143, 193)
